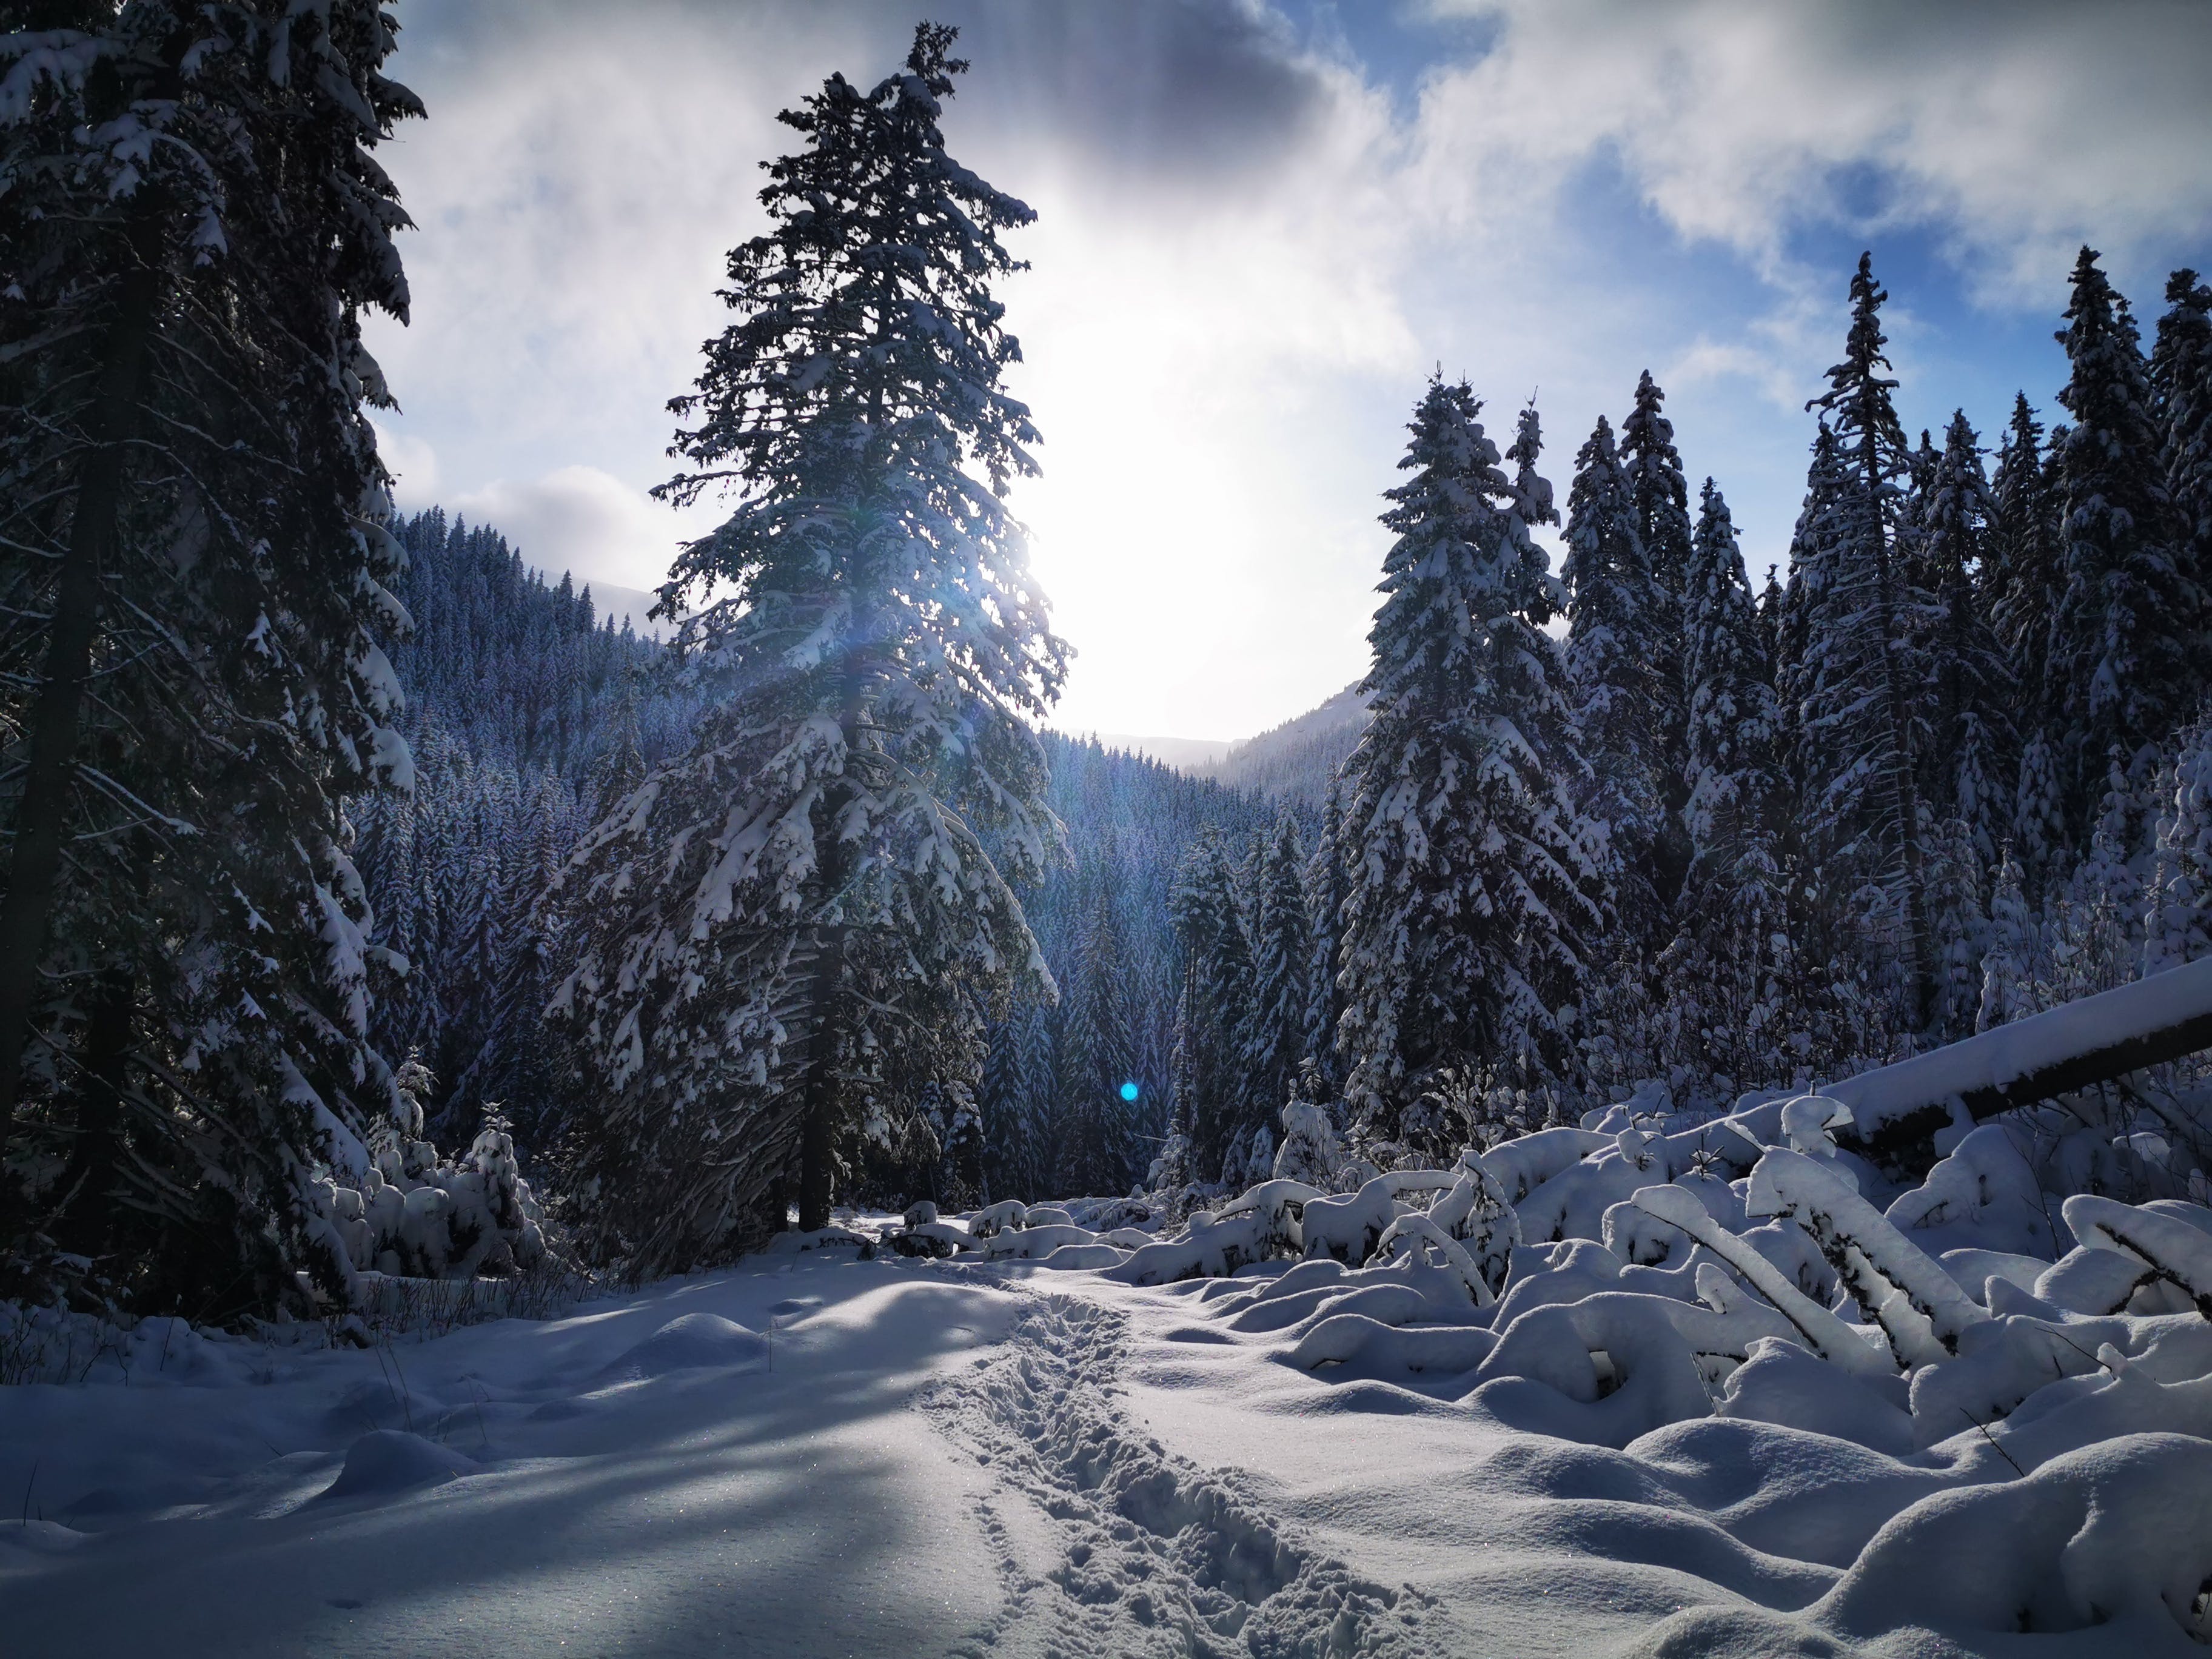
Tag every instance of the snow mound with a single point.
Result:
(2103, 1533)
(388, 1461)
(2110, 1537)
(690, 1342)
(37, 1537)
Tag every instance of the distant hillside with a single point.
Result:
(1296, 760)
(1191, 755)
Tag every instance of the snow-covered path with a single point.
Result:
(829, 1457)
(1110, 1543)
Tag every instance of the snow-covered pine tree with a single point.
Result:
(1479, 895)
(2038, 816)
(1659, 497)
(1960, 926)
(1326, 887)
(196, 580)
(1732, 792)
(1771, 599)
(1217, 998)
(1282, 953)
(1175, 1166)
(517, 1069)
(1731, 906)
(2014, 953)
(2177, 918)
(1020, 1146)
(1863, 718)
(1788, 654)
(772, 919)
(1622, 647)
(2103, 909)
(2025, 577)
(1911, 533)
(2181, 396)
(1972, 770)
(2021, 586)
(2127, 658)
(1093, 1151)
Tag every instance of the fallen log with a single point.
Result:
(1897, 1109)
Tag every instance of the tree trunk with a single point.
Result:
(817, 1129)
(815, 1151)
(1897, 1108)
(58, 714)
(100, 1112)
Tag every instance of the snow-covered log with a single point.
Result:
(2163, 1017)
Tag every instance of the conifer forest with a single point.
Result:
(1672, 993)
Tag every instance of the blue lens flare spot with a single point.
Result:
(1129, 1091)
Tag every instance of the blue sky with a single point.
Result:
(1261, 226)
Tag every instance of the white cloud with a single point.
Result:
(580, 519)
(413, 465)
(2017, 129)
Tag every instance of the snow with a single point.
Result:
(1989, 1062)
(711, 1465)
(1223, 1440)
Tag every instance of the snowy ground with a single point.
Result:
(829, 1457)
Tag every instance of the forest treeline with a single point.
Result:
(1949, 771)
(333, 838)
(530, 716)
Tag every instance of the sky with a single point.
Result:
(1262, 225)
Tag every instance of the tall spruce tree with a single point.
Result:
(2128, 641)
(1659, 497)
(1790, 655)
(1863, 718)
(1095, 1146)
(2023, 581)
(1282, 958)
(1478, 897)
(1719, 971)
(1771, 599)
(195, 577)
(800, 915)
(1622, 651)
(1972, 767)
(2181, 395)
(1216, 1002)
(1326, 889)
(1732, 791)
